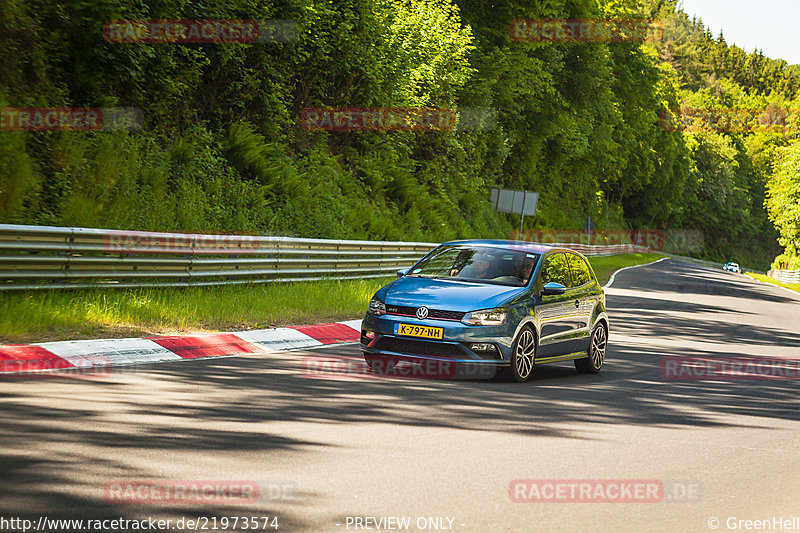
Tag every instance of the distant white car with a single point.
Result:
(732, 267)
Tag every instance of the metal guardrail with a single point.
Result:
(785, 276)
(596, 250)
(710, 264)
(48, 257)
(694, 260)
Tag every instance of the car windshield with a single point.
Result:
(478, 264)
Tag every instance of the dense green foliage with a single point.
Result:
(783, 204)
(223, 150)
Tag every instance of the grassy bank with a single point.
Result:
(62, 315)
(605, 266)
(762, 277)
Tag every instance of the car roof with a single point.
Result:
(522, 246)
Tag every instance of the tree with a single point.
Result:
(783, 199)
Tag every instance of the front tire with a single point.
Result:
(596, 353)
(523, 356)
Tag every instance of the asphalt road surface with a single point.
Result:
(326, 450)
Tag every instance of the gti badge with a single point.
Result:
(422, 313)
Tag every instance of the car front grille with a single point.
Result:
(415, 347)
(432, 313)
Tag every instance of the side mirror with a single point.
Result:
(402, 272)
(553, 288)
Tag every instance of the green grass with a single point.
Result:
(37, 316)
(762, 277)
(605, 266)
(76, 314)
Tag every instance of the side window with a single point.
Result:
(580, 271)
(556, 269)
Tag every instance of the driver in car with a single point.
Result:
(527, 269)
(482, 263)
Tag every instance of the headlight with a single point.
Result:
(376, 307)
(486, 317)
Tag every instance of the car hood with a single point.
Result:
(447, 295)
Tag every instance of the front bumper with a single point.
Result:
(455, 346)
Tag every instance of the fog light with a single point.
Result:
(482, 347)
(367, 337)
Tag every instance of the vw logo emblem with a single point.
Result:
(422, 313)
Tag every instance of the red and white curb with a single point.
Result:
(65, 355)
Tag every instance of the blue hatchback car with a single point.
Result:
(505, 305)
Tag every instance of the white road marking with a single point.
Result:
(278, 339)
(614, 275)
(109, 351)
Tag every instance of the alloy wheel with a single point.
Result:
(598, 348)
(525, 354)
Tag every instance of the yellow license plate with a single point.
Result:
(419, 331)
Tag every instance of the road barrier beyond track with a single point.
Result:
(785, 276)
(48, 257)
